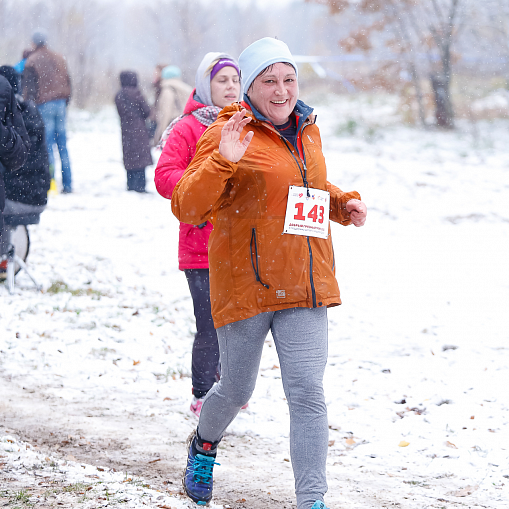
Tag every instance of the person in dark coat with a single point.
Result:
(26, 189)
(133, 111)
(14, 141)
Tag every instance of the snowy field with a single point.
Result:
(95, 370)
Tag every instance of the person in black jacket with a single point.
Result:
(26, 189)
(14, 141)
(133, 111)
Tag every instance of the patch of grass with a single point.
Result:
(138, 482)
(62, 287)
(172, 373)
(23, 497)
(50, 492)
(76, 488)
(417, 483)
(348, 128)
(102, 352)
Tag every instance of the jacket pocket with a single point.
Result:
(255, 257)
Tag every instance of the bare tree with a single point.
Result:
(420, 32)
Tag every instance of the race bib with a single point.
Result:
(307, 215)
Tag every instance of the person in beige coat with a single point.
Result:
(172, 99)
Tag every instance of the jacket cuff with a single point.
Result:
(222, 163)
(353, 195)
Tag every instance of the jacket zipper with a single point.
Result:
(254, 253)
(306, 185)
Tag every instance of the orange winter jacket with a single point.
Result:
(254, 267)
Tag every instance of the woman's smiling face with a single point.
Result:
(275, 93)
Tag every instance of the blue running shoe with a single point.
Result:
(319, 505)
(197, 479)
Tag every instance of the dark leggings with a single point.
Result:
(136, 180)
(205, 346)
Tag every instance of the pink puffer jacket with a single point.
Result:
(177, 154)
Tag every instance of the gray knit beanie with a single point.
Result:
(40, 37)
(259, 55)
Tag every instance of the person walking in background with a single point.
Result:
(156, 82)
(151, 121)
(173, 94)
(272, 267)
(217, 85)
(133, 111)
(20, 67)
(14, 141)
(47, 82)
(26, 189)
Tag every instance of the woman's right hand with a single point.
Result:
(231, 147)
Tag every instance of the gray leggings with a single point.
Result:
(300, 336)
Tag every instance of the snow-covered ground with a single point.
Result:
(94, 371)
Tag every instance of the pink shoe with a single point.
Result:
(197, 403)
(196, 406)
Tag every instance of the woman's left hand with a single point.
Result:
(358, 211)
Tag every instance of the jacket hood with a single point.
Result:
(128, 79)
(11, 75)
(193, 103)
(202, 79)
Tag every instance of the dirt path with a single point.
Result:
(255, 473)
(141, 447)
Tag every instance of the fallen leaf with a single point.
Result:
(450, 444)
(241, 501)
(167, 399)
(135, 363)
(350, 441)
(100, 469)
(155, 461)
(286, 459)
(473, 417)
(331, 443)
(403, 443)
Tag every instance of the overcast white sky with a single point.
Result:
(260, 3)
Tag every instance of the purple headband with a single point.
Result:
(224, 62)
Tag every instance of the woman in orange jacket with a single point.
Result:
(259, 176)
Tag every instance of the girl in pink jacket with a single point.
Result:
(217, 85)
